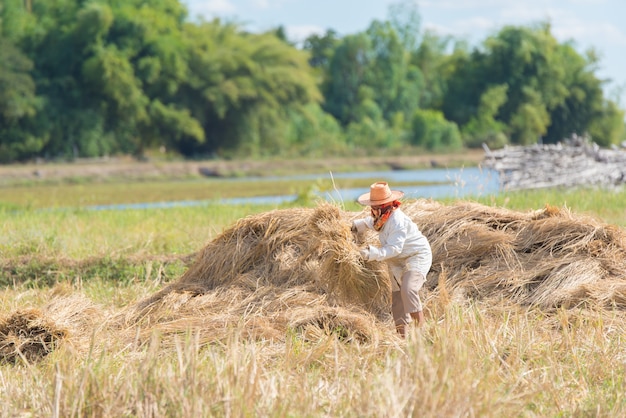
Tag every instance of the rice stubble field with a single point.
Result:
(266, 310)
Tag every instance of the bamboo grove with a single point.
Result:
(92, 78)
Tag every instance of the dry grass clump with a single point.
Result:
(547, 258)
(284, 269)
(30, 334)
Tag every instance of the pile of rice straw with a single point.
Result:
(547, 258)
(285, 269)
(299, 270)
(29, 334)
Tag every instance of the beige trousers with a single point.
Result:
(407, 299)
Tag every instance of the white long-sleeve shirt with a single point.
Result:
(403, 246)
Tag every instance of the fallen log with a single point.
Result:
(576, 162)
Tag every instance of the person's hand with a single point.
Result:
(365, 253)
(356, 236)
(355, 232)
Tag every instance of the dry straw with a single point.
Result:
(30, 334)
(547, 258)
(298, 271)
(293, 269)
(300, 268)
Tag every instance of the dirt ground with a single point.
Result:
(127, 168)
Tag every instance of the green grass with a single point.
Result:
(80, 234)
(475, 360)
(607, 206)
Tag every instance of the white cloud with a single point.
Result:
(527, 6)
(268, 4)
(533, 14)
(475, 23)
(473, 29)
(439, 29)
(208, 8)
(459, 4)
(298, 33)
(590, 2)
(261, 4)
(565, 23)
(591, 31)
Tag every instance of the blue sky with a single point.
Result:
(600, 24)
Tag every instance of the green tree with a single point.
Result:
(369, 136)
(370, 74)
(140, 72)
(531, 118)
(437, 66)
(15, 21)
(69, 115)
(17, 88)
(396, 83)
(551, 91)
(483, 127)
(405, 20)
(347, 71)
(584, 109)
(321, 48)
(432, 131)
(109, 72)
(18, 105)
(93, 77)
(315, 133)
(608, 127)
(243, 88)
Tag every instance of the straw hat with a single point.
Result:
(379, 194)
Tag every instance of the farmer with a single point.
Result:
(403, 247)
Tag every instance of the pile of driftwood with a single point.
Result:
(577, 162)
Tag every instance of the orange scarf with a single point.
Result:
(382, 213)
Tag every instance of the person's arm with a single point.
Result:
(361, 225)
(392, 248)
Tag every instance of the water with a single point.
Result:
(462, 182)
(456, 183)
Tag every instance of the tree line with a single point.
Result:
(89, 78)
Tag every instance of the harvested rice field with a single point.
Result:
(276, 315)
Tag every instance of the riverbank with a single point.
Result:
(115, 169)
